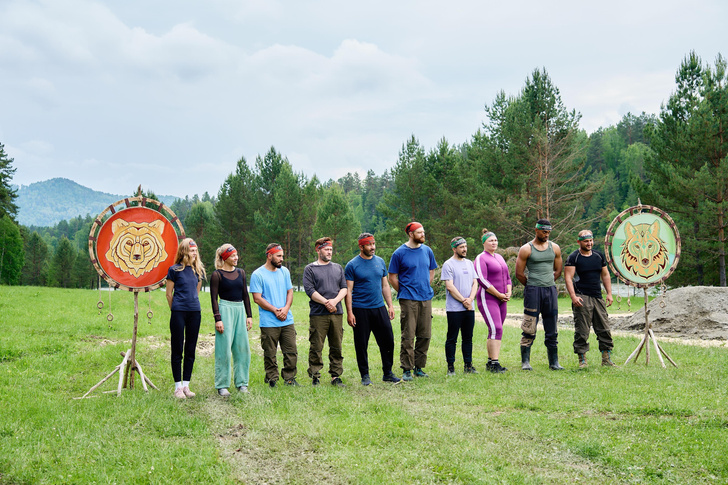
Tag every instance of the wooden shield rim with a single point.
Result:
(121, 205)
(621, 217)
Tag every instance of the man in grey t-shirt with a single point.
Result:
(325, 285)
(460, 280)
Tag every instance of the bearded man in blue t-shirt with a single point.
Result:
(368, 290)
(411, 271)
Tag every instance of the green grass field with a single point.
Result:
(631, 424)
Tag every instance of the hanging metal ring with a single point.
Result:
(110, 317)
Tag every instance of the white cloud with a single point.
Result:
(605, 101)
(184, 53)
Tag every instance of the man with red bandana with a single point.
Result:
(368, 289)
(411, 271)
(273, 292)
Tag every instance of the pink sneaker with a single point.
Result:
(187, 392)
(179, 393)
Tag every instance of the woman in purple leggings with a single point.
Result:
(494, 291)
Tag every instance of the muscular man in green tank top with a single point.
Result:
(538, 267)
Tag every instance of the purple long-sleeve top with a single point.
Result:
(492, 270)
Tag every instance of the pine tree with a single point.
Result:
(62, 264)
(12, 254)
(7, 194)
(35, 270)
(335, 219)
(533, 156)
(203, 227)
(235, 211)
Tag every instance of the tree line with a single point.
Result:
(528, 160)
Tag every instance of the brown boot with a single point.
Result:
(606, 359)
(582, 361)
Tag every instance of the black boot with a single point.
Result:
(554, 359)
(526, 358)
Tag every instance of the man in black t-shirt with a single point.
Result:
(584, 271)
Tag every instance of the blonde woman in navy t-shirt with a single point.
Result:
(184, 280)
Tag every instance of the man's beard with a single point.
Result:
(276, 264)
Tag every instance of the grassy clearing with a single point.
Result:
(633, 424)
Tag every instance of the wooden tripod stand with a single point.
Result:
(645, 342)
(128, 364)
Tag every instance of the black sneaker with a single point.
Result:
(450, 370)
(496, 368)
(292, 382)
(272, 383)
(366, 381)
(390, 377)
(420, 373)
(469, 369)
(316, 381)
(336, 381)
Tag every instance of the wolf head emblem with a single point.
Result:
(136, 247)
(643, 252)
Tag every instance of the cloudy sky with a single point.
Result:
(172, 93)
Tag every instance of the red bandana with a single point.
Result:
(366, 240)
(412, 227)
(228, 252)
(274, 249)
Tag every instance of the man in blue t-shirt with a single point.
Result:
(273, 292)
(411, 271)
(584, 270)
(366, 281)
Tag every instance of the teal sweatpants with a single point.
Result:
(232, 341)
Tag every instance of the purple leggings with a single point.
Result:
(494, 313)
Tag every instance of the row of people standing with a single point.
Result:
(364, 286)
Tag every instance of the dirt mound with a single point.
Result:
(689, 312)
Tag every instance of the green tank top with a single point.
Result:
(540, 267)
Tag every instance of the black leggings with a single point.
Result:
(184, 328)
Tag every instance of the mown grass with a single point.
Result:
(632, 424)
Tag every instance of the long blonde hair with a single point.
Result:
(183, 258)
(219, 263)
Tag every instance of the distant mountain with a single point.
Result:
(52, 201)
